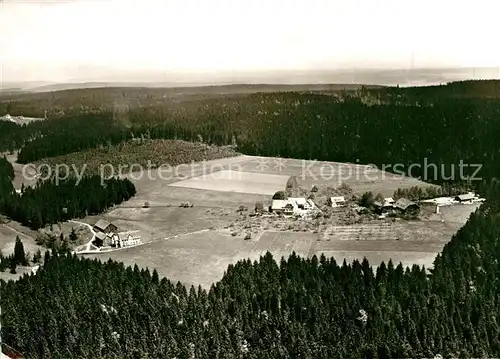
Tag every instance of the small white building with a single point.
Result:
(439, 201)
(278, 205)
(130, 240)
(338, 201)
(388, 201)
(292, 206)
(299, 202)
(466, 198)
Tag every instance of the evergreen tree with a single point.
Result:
(19, 255)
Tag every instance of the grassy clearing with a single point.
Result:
(201, 258)
(236, 181)
(198, 259)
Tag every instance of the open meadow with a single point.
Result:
(195, 245)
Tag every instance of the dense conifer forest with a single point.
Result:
(383, 127)
(293, 308)
(58, 200)
(296, 308)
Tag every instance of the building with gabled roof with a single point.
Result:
(288, 209)
(278, 205)
(385, 206)
(297, 201)
(407, 206)
(388, 201)
(466, 198)
(105, 227)
(337, 201)
(99, 239)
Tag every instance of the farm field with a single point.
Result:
(457, 214)
(236, 181)
(202, 257)
(8, 233)
(375, 258)
(407, 231)
(194, 245)
(24, 174)
(215, 188)
(196, 259)
(361, 178)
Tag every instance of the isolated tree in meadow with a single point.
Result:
(64, 243)
(292, 182)
(19, 255)
(379, 198)
(279, 195)
(399, 193)
(73, 236)
(367, 200)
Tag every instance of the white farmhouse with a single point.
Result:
(278, 205)
(338, 201)
(292, 206)
(388, 201)
(466, 198)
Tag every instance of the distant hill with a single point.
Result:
(354, 76)
(201, 89)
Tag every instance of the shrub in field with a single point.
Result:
(280, 195)
(259, 207)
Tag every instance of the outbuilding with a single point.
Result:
(406, 206)
(466, 198)
(105, 227)
(337, 201)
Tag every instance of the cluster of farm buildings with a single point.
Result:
(107, 236)
(302, 207)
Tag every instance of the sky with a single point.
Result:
(61, 40)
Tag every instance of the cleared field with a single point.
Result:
(201, 258)
(197, 259)
(458, 214)
(236, 181)
(413, 231)
(282, 244)
(161, 222)
(8, 234)
(217, 188)
(360, 177)
(24, 174)
(265, 175)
